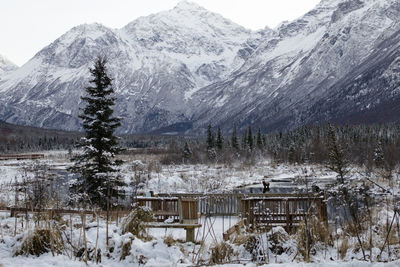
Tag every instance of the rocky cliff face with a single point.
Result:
(182, 69)
(319, 67)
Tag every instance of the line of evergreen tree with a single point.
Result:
(368, 145)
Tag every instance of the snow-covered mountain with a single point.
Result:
(6, 65)
(184, 68)
(157, 63)
(324, 65)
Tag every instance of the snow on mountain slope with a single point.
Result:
(187, 67)
(6, 65)
(205, 42)
(46, 90)
(157, 63)
(295, 69)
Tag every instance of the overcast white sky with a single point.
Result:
(26, 26)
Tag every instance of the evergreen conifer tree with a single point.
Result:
(187, 152)
(235, 143)
(291, 155)
(244, 140)
(210, 137)
(259, 139)
(98, 181)
(250, 139)
(379, 158)
(337, 160)
(220, 139)
(211, 153)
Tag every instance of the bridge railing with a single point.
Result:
(288, 211)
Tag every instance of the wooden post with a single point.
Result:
(287, 216)
(70, 225)
(84, 236)
(324, 211)
(15, 226)
(180, 210)
(250, 210)
(211, 204)
(188, 210)
(190, 234)
(245, 211)
(108, 212)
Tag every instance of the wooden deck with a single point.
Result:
(231, 204)
(162, 207)
(287, 212)
(255, 210)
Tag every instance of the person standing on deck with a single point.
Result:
(266, 187)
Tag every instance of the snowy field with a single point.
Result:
(166, 247)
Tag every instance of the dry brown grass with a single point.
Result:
(135, 222)
(126, 249)
(169, 240)
(240, 239)
(344, 247)
(40, 241)
(3, 204)
(309, 235)
(221, 253)
(277, 239)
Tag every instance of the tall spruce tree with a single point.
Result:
(244, 140)
(250, 139)
(187, 152)
(259, 139)
(211, 152)
(210, 137)
(336, 155)
(379, 158)
(235, 143)
(98, 181)
(220, 139)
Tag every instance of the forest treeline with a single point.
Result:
(20, 139)
(363, 145)
(367, 145)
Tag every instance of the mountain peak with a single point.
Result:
(188, 5)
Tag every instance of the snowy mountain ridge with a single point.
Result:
(6, 65)
(157, 62)
(180, 69)
(288, 81)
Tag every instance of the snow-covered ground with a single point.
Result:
(166, 247)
